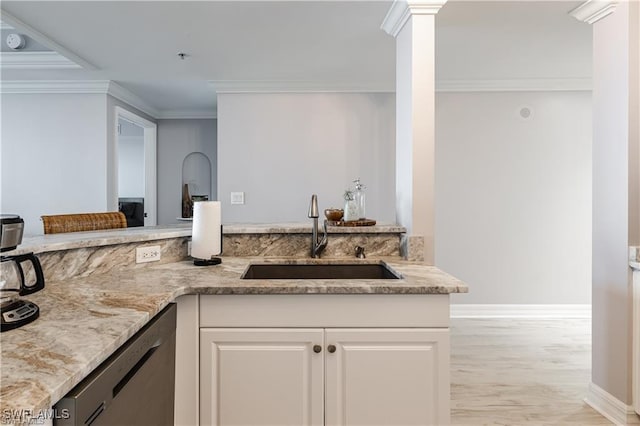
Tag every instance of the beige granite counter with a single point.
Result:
(634, 257)
(305, 228)
(74, 240)
(83, 320)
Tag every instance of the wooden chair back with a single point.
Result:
(56, 224)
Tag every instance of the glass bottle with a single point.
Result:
(351, 212)
(360, 199)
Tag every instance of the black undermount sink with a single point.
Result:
(279, 271)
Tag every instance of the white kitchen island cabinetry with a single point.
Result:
(261, 377)
(312, 360)
(387, 377)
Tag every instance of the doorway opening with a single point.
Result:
(136, 168)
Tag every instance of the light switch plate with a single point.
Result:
(147, 254)
(237, 198)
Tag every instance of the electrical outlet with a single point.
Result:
(237, 198)
(188, 248)
(147, 254)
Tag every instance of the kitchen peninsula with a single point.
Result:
(96, 298)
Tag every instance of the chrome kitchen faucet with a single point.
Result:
(316, 246)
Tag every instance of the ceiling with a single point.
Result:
(317, 45)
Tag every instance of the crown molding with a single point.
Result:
(187, 114)
(100, 87)
(401, 10)
(35, 60)
(272, 86)
(54, 86)
(518, 85)
(130, 98)
(523, 85)
(592, 11)
(17, 24)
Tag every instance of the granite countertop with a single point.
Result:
(73, 240)
(84, 320)
(634, 257)
(295, 228)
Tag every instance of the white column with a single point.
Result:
(616, 200)
(412, 23)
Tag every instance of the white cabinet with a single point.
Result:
(332, 376)
(387, 377)
(261, 377)
(383, 359)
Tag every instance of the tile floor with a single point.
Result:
(521, 372)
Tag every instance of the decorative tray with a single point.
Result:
(359, 222)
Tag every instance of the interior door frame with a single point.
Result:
(150, 161)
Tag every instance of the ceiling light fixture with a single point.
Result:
(182, 55)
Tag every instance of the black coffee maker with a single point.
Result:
(19, 275)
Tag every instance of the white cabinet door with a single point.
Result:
(387, 377)
(261, 376)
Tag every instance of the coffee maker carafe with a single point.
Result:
(20, 275)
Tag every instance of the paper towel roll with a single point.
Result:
(206, 238)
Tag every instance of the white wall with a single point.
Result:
(131, 166)
(176, 140)
(280, 148)
(53, 155)
(513, 195)
(615, 216)
(511, 40)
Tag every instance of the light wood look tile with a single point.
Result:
(521, 372)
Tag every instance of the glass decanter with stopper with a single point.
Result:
(359, 198)
(351, 212)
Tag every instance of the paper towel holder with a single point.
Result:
(213, 260)
(207, 262)
(206, 239)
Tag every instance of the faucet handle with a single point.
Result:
(313, 207)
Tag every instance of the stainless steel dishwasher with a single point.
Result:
(135, 386)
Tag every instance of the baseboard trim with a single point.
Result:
(609, 406)
(520, 311)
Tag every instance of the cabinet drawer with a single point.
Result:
(325, 310)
